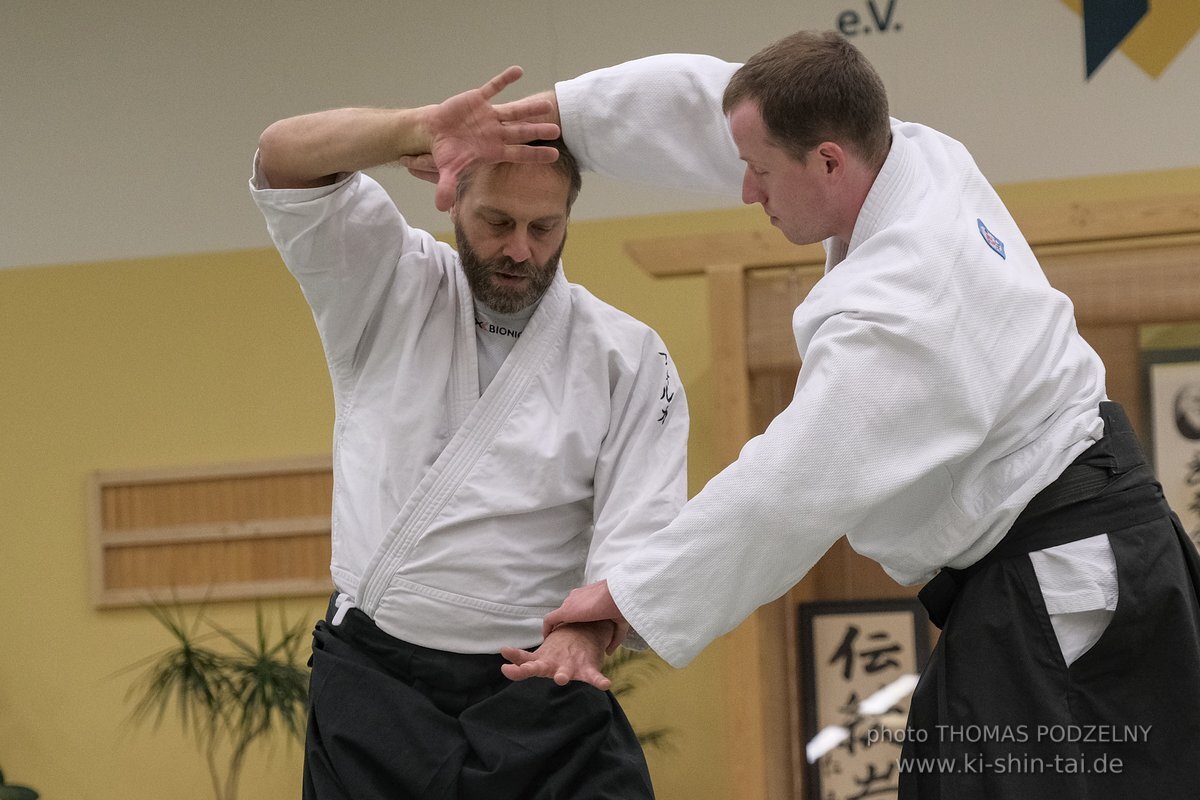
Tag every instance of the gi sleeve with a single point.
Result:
(862, 446)
(641, 473)
(655, 120)
(346, 244)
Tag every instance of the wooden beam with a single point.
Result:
(1165, 286)
(727, 316)
(220, 532)
(1061, 229)
(1108, 220)
(746, 673)
(693, 254)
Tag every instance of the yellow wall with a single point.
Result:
(142, 363)
(211, 359)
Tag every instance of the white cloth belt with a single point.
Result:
(344, 603)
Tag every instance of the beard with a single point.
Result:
(498, 297)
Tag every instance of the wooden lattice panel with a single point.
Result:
(223, 533)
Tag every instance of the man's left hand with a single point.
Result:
(569, 653)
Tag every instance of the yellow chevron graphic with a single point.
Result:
(1161, 35)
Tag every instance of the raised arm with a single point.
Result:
(310, 150)
(466, 129)
(655, 120)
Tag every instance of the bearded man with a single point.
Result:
(501, 437)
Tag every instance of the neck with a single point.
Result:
(858, 189)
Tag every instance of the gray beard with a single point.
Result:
(501, 299)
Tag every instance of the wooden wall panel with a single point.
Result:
(221, 532)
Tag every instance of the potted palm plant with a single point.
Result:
(9, 791)
(229, 692)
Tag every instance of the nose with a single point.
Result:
(517, 246)
(751, 191)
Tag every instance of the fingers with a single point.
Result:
(568, 612)
(524, 665)
(562, 677)
(598, 680)
(619, 634)
(561, 674)
(501, 81)
(443, 198)
(431, 177)
(525, 154)
(422, 166)
(521, 132)
(517, 655)
(525, 108)
(552, 621)
(422, 162)
(589, 603)
(559, 665)
(530, 666)
(533, 669)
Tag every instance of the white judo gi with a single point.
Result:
(461, 517)
(943, 385)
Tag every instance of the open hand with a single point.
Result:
(569, 653)
(467, 129)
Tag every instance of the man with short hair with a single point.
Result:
(948, 419)
(501, 437)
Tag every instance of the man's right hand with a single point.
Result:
(591, 603)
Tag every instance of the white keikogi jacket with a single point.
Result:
(460, 520)
(943, 383)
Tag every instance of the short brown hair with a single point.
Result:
(816, 87)
(565, 165)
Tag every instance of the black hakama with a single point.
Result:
(391, 720)
(999, 714)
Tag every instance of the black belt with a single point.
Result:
(1055, 515)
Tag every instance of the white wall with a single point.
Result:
(127, 126)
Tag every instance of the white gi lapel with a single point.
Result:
(480, 419)
(463, 391)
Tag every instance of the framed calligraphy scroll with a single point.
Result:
(849, 650)
(1173, 402)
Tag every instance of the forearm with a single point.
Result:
(656, 120)
(309, 150)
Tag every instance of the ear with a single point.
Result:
(832, 156)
